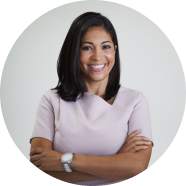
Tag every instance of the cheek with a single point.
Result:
(83, 58)
(83, 62)
(110, 58)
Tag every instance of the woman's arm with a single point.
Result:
(75, 176)
(117, 167)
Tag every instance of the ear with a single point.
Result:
(115, 47)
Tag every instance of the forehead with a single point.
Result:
(96, 33)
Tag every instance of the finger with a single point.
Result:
(40, 167)
(36, 150)
(136, 143)
(141, 142)
(35, 154)
(34, 158)
(37, 163)
(137, 138)
(134, 133)
(137, 148)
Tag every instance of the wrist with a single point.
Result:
(66, 160)
(61, 163)
(78, 162)
(74, 161)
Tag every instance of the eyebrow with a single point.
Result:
(93, 43)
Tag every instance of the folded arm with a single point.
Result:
(75, 176)
(116, 167)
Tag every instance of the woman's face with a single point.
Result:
(97, 54)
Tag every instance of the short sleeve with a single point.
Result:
(140, 117)
(44, 124)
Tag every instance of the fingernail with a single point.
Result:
(148, 142)
(139, 130)
(145, 147)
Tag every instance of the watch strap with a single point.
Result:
(67, 167)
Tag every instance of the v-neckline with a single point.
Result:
(104, 100)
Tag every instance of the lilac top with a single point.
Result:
(91, 126)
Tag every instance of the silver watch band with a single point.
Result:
(67, 167)
(66, 159)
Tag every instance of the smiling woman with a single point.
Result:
(86, 44)
(89, 129)
(97, 58)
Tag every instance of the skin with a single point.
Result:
(96, 48)
(132, 158)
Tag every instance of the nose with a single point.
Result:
(97, 54)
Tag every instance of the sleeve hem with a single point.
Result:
(40, 137)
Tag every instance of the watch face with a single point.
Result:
(67, 156)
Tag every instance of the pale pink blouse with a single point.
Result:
(91, 126)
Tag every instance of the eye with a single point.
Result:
(89, 48)
(86, 48)
(106, 47)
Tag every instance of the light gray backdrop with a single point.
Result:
(149, 64)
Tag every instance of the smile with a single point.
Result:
(97, 68)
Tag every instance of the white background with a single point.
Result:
(149, 63)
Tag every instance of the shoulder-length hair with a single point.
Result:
(70, 82)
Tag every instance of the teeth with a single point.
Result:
(96, 66)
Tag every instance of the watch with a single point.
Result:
(66, 159)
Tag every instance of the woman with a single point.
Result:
(89, 114)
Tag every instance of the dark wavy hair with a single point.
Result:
(71, 82)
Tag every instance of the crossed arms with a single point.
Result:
(132, 158)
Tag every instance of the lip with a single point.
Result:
(96, 69)
(98, 64)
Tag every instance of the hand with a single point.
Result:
(134, 143)
(46, 160)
